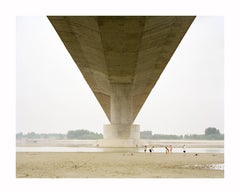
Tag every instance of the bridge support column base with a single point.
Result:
(120, 135)
(119, 143)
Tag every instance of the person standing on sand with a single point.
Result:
(166, 149)
(145, 148)
(170, 148)
(151, 149)
(184, 148)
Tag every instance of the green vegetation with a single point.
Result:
(72, 134)
(83, 134)
(33, 135)
(211, 133)
(149, 135)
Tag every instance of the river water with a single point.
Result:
(95, 149)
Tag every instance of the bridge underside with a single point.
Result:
(121, 58)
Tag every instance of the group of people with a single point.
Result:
(150, 149)
(168, 149)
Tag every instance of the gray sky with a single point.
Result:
(53, 97)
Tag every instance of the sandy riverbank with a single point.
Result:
(117, 165)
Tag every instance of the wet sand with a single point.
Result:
(117, 165)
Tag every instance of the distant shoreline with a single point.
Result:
(94, 143)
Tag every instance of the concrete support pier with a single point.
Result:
(121, 105)
(120, 136)
(121, 132)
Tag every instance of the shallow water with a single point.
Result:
(216, 166)
(95, 149)
(207, 166)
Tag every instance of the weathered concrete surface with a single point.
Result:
(121, 57)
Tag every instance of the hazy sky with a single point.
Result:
(53, 97)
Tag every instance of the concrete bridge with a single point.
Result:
(121, 58)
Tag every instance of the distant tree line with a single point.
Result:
(72, 134)
(211, 133)
(83, 134)
(33, 135)
(149, 135)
